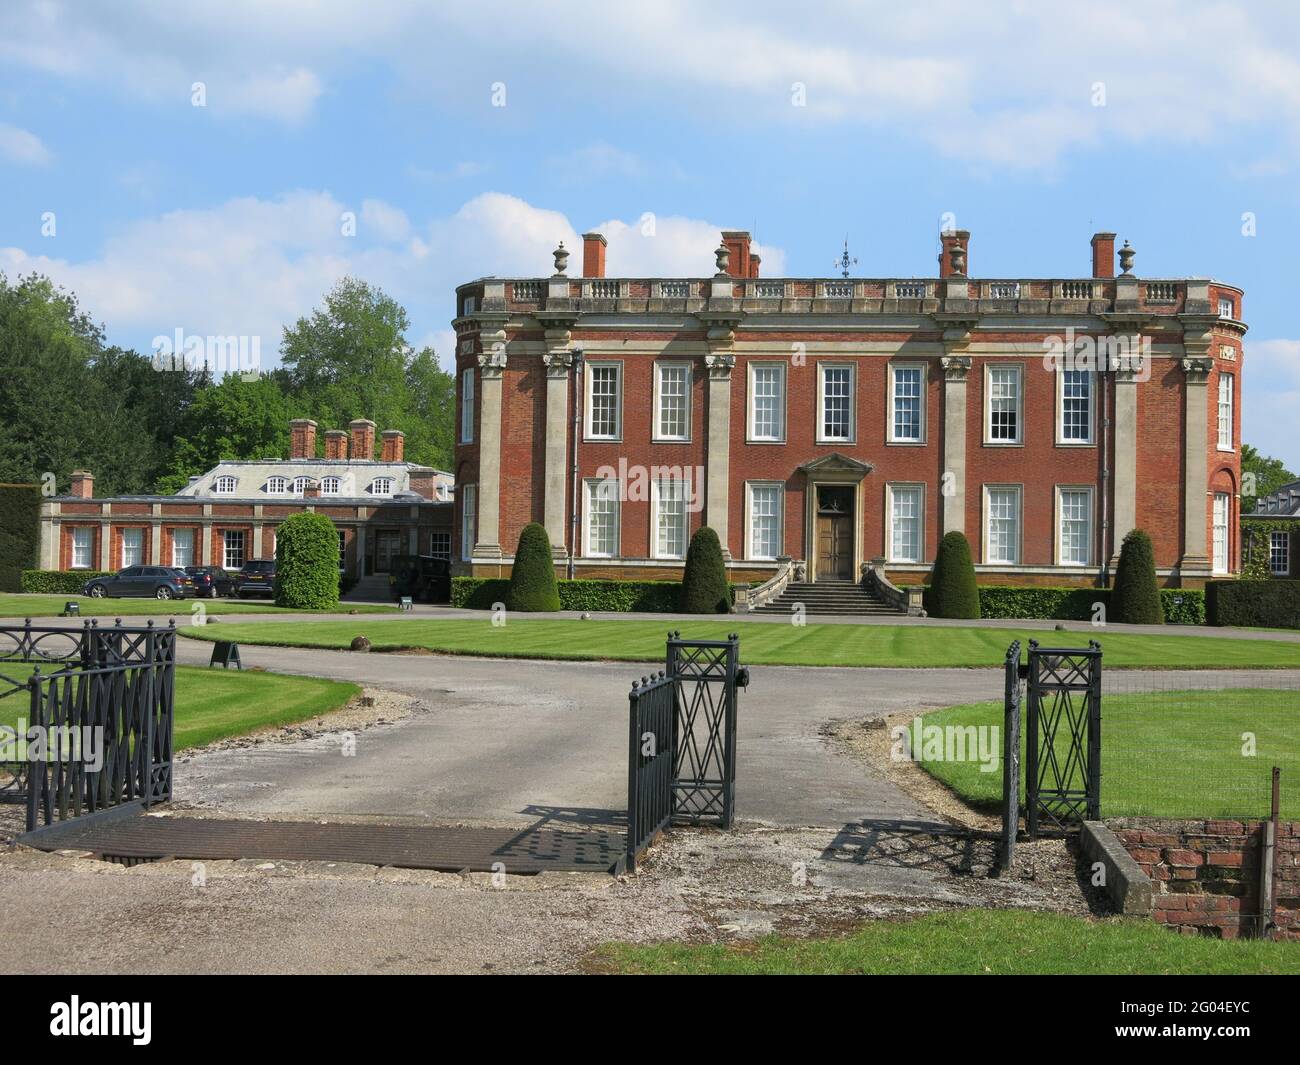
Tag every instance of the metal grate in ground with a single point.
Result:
(523, 851)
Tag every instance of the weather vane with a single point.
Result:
(845, 260)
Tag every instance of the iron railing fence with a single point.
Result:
(1201, 743)
(651, 760)
(1062, 736)
(99, 730)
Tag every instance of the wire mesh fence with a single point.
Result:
(1200, 744)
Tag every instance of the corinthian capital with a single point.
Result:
(720, 366)
(492, 363)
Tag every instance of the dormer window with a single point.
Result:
(329, 486)
(224, 486)
(276, 486)
(381, 486)
(300, 485)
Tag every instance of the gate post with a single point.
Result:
(1094, 733)
(1010, 754)
(1031, 745)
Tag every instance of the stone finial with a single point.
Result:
(957, 256)
(561, 259)
(722, 254)
(1126, 255)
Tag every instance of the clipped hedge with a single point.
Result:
(1273, 604)
(532, 577)
(704, 580)
(1182, 606)
(953, 593)
(20, 533)
(60, 581)
(307, 562)
(1136, 596)
(651, 597)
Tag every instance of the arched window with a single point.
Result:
(276, 486)
(300, 485)
(329, 486)
(224, 486)
(382, 486)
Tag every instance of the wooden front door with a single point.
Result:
(834, 533)
(388, 542)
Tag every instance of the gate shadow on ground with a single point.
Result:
(915, 845)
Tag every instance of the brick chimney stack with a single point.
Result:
(311, 490)
(423, 480)
(737, 242)
(951, 238)
(363, 438)
(336, 444)
(1103, 255)
(393, 446)
(593, 255)
(83, 484)
(754, 260)
(302, 438)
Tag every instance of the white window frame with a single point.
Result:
(139, 546)
(1224, 410)
(588, 486)
(851, 427)
(1231, 305)
(750, 553)
(890, 489)
(589, 379)
(750, 404)
(657, 433)
(330, 486)
(1061, 439)
(343, 549)
(176, 562)
(226, 535)
(656, 550)
(892, 436)
(387, 487)
(986, 524)
(1283, 537)
(440, 544)
(1019, 370)
(224, 485)
(1220, 546)
(467, 405)
(468, 521)
(1059, 508)
(88, 546)
(277, 486)
(299, 485)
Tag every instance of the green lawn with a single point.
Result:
(967, 942)
(1163, 753)
(41, 606)
(213, 704)
(761, 644)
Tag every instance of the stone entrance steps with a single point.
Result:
(830, 598)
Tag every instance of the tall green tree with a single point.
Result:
(1270, 475)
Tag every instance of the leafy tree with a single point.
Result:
(307, 562)
(704, 581)
(1135, 599)
(532, 578)
(430, 418)
(952, 592)
(1270, 475)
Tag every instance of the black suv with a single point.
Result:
(256, 578)
(155, 582)
(210, 581)
(423, 577)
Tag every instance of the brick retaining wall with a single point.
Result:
(1205, 874)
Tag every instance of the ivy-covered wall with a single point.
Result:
(1256, 536)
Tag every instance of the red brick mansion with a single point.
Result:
(830, 425)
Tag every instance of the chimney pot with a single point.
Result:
(302, 438)
(1103, 255)
(83, 484)
(363, 439)
(593, 255)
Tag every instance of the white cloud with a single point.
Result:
(21, 146)
(250, 266)
(1006, 86)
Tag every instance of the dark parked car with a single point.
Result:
(256, 578)
(422, 577)
(210, 581)
(154, 582)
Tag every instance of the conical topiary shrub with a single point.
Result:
(704, 584)
(532, 578)
(1135, 599)
(952, 592)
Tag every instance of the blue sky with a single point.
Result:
(1035, 124)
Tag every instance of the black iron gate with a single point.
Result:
(682, 740)
(1062, 740)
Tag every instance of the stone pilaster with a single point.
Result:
(492, 365)
(1195, 560)
(559, 363)
(720, 362)
(952, 487)
(1124, 474)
